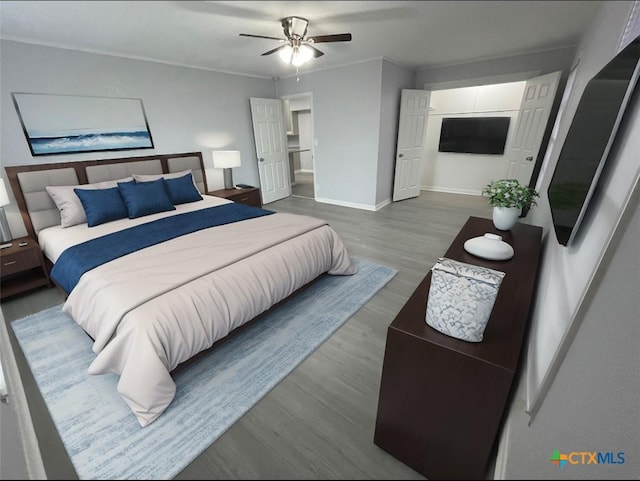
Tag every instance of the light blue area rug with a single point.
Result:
(101, 434)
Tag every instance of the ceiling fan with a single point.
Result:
(299, 49)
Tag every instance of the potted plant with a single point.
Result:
(508, 197)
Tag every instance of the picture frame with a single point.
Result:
(67, 124)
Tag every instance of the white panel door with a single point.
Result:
(412, 128)
(271, 148)
(535, 108)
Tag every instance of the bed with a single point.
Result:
(154, 288)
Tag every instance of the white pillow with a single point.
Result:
(68, 203)
(173, 175)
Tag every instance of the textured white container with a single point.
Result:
(461, 298)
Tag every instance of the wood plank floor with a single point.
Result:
(303, 186)
(318, 423)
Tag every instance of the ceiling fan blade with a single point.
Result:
(316, 53)
(275, 50)
(260, 36)
(338, 37)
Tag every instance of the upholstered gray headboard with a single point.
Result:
(40, 206)
(38, 210)
(193, 163)
(102, 173)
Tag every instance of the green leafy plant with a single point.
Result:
(510, 193)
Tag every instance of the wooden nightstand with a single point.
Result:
(22, 268)
(246, 196)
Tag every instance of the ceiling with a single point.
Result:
(414, 34)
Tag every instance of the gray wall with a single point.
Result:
(497, 70)
(394, 79)
(346, 120)
(567, 271)
(355, 124)
(187, 109)
(593, 381)
(593, 403)
(12, 455)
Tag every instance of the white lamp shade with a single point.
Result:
(226, 159)
(4, 197)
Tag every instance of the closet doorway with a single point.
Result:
(299, 124)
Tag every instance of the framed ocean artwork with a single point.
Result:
(63, 124)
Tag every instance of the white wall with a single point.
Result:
(468, 173)
(187, 109)
(300, 103)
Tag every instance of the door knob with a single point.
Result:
(530, 158)
(400, 155)
(261, 159)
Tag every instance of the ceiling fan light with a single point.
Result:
(296, 55)
(286, 53)
(304, 54)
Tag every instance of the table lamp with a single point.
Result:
(226, 159)
(5, 232)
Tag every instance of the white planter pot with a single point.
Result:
(504, 218)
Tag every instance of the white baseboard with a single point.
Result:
(382, 204)
(353, 204)
(450, 190)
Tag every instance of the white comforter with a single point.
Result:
(153, 309)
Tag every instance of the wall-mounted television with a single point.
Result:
(474, 135)
(589, 140)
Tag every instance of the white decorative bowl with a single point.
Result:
(489, 246)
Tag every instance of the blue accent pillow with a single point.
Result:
(145, 198)
(182, 190)
(102, 205)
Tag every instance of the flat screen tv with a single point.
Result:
(589, 141)
(474, 135)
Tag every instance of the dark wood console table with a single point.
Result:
(442, 399)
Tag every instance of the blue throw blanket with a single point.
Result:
(78, 259)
